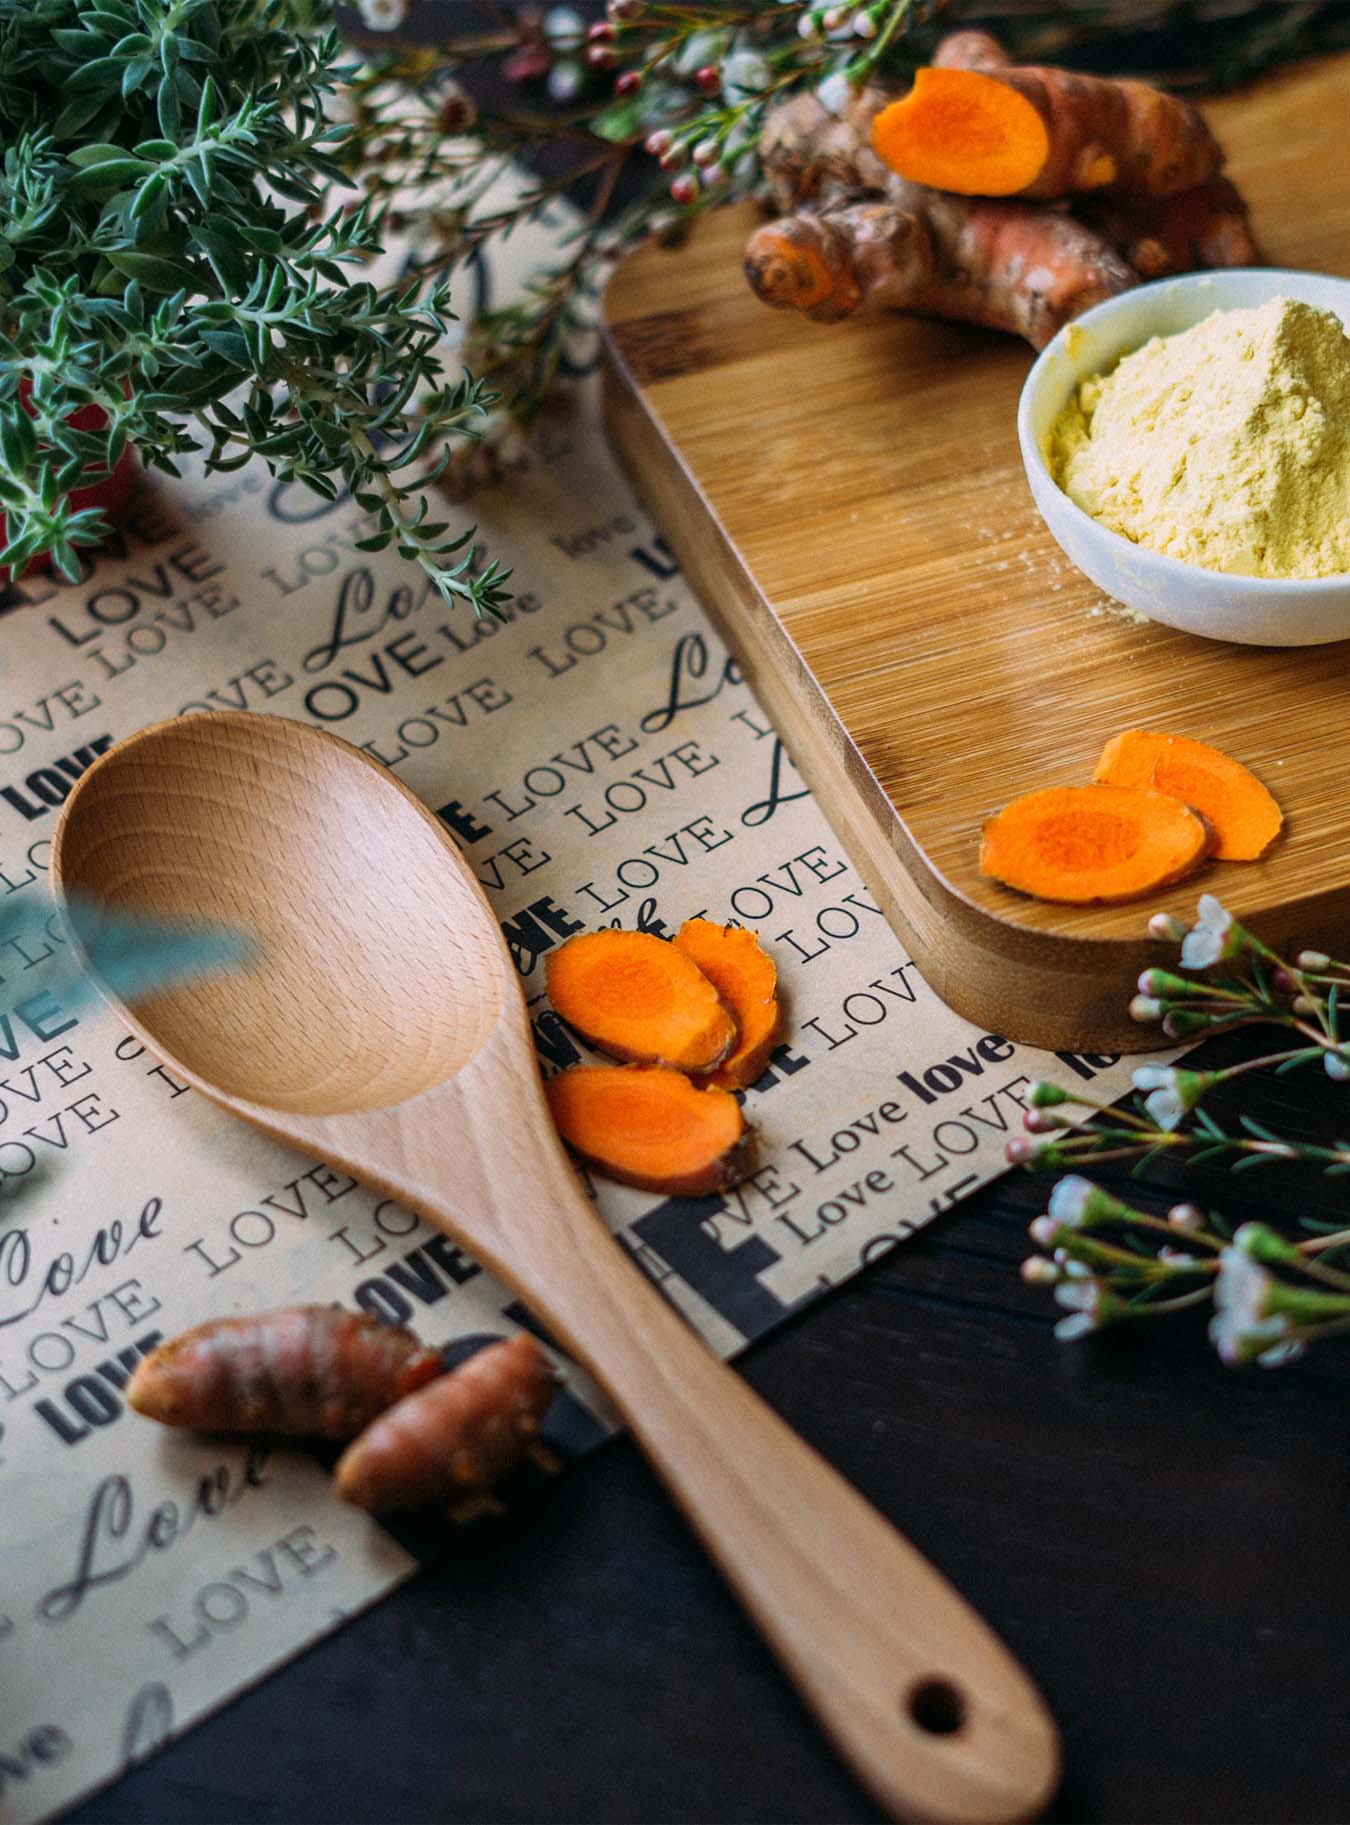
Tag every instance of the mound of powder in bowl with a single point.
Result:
(1227, 445)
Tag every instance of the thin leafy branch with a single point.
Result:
(182, 261)
(1272, 1294)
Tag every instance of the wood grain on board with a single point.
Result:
(849, 500)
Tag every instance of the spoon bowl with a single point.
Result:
(346, 1007)
(383, 1030)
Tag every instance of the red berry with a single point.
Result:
(629, 83)
(685, 189)
(709, 78)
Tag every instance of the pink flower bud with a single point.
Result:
(659, 143)
(601, 57)
(628, 83)
(602, 32)
(684, 189)
(707, 152)
(709, 79)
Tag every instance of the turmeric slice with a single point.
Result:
(1009, 130)
(306, 1371)
(1080, 844)
(638, 998)
(746, 978)
(965, 131)
(1245, 817)
(462, 1433)
(651, 1128)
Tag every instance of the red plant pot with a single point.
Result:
(110, 495)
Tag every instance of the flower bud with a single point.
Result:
(564, 81)
(1037, 1271)
(706, 152)
(1189, 1217)
(601, 56)
(1145, 1009)
(602, 32)
(685, 189)
(1163, 985)
(1041, 1121)
(659, 143)
(675, 159)
(864, 25)
(1044, 1230)
(619, 10)
(1042, 1095)
(1180, 1024)
(1312, 960)
(563, 28)
(628, 83)
(1337, 1066)
(1167, 928)
(708, 79)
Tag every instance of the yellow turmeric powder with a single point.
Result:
(1226, 446)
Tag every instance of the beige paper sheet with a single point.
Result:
(602, 763)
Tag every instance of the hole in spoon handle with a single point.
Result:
(937, 1705)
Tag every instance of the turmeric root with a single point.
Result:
(311, 1371)
(461, 1433)
(986, 127)
(651, 1128)
(1007, 266)
(1207, 226)
(746, 978)
(638, 998)
(1245, 818)
(1081, 844)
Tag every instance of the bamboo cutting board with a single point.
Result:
(850, 502)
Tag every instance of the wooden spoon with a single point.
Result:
(383, 1029)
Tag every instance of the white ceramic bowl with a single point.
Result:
(1259, 611)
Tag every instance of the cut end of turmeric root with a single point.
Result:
(651, 1128)
(1085, 844)
(1245, 818)
(964, 131)
(640, 999)
(746, 978)
(788, 266)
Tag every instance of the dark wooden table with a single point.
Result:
(1160, 1539)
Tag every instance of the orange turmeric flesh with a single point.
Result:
(1080, 844)
(1245, 817)
(638, 998)
(746, 978)
(963, 131)
(651, 1127)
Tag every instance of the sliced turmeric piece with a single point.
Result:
(746, 978)
(1031, 131)
(1080, 844)
(640, 999)
(965, 131)
(651, 1127)
(1245, 817)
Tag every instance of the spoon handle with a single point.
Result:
(931, 1710)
